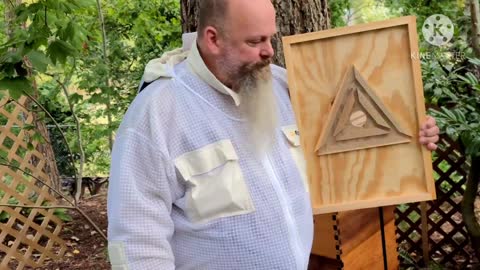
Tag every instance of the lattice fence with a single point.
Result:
(28, 236)
(447, 236)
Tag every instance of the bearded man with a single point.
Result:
(204, 173)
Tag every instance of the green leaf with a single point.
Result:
(11, 57)
(474, 147)
(428, 86)
(75, 97)
(451, 132)
(469, 78)
(39, 60)
(449, 114)
(474, 61)
(83, 3)
(438, 91)
(59, 50)
(16, 86)
(30, 146)
(473, 80)
(4, 216)
(12, 201)
(38, 137)
(62, 214)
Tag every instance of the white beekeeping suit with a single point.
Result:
(185, 191)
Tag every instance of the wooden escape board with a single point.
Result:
(357, 94)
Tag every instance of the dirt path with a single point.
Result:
(86, 249)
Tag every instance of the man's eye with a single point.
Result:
(254, 42)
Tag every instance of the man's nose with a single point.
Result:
(267, 51)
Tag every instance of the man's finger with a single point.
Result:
(433, 139)
(427, 140)
(434, 131)
(430, 123)
(432, 147)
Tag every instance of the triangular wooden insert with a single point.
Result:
(358, 119)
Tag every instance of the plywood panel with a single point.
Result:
(362, 177)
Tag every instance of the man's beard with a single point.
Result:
(257, 105)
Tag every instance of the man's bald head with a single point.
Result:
(220, 13)
(212, 13)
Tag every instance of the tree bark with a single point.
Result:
(293, 17)
(468, 205)
(475, 14)
(189, 11)
(298, 17)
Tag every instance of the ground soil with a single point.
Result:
(86, 249)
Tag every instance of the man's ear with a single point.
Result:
(212, 40)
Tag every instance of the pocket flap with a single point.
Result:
(205, 159)
(292, 134)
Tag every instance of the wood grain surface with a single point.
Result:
(382, 54)
(354, 238)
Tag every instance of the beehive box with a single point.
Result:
(352, 240)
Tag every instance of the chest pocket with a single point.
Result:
(293, 137)
(215, 184)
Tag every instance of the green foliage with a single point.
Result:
(339, 9)
(137, 31)
(459, 111)
(363, 11)
(42, 33)
(16, 85)
(450, 72)
(63, 38)
(62, 214)
(3, 25)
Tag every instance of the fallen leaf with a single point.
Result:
(76, 251)
(75, 238)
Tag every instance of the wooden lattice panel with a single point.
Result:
(30, 235)
(448, 239)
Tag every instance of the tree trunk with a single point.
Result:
(468, 207)
(475, 13)
(189, 10)
(297, 17)
(293, 17)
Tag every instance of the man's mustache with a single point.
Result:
(248, 68)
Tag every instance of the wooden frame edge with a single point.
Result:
(421, 111)
(374, 203)
(354, 29)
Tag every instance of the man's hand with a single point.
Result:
(429, 134)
